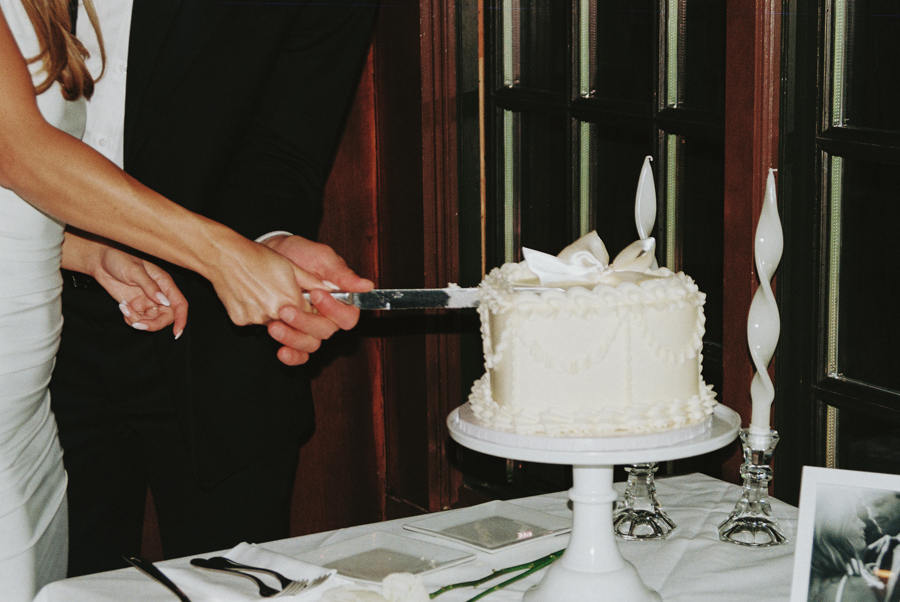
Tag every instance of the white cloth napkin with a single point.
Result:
(202, 585)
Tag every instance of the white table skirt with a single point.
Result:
(692, 565)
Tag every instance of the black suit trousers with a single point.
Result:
(121, 434)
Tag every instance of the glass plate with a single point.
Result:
(374, 556)
(493, 527)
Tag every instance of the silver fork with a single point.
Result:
(288, 586)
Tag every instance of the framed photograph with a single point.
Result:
(849, 524)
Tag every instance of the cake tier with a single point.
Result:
(589, 422)
(622, 357)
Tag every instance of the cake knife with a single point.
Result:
(420, 298)
(410, 298)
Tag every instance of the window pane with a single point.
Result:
(868, 323)
(619, 155)
(545, 208)
(703, 68)
(542, 44)
(867, 442)
(626, 55)
(873, 65)
(701, 223)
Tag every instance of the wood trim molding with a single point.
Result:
(753, 50)
(440, 201)
(418, 230)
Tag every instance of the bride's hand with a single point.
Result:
(147, 295)
(258, 285)
(255, 283)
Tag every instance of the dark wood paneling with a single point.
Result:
(441, 233)
(398, 85)
(340, 473)
(151, 545)
(751, 143)
(416, 107)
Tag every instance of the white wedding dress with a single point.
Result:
(33, 514)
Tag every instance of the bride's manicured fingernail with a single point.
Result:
(123, 307)
(333, 286)
(162, 299)
(140, 326)
(178, 334)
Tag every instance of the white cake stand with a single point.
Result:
(592, 568)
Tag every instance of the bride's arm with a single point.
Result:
(65, 178)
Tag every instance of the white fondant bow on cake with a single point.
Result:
(587, 261)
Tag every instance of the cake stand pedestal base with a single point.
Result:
(592, 569)
(592, 562)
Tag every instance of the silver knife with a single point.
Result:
(149, 569)
(420, 298)
(410, 298)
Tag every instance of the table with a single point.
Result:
(692, 565)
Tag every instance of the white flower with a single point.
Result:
(403, 587)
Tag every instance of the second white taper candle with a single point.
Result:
(763, 323)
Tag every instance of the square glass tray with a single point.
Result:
(493, 526)
(374, 556)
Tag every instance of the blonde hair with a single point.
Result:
(62, 54)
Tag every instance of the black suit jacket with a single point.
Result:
(234, 110)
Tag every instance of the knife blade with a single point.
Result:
(149, 569)
(410, 298)
(421, 298)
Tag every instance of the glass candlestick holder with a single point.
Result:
(751, 522)
(639, 516)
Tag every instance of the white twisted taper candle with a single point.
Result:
(645, 202)
(764, 324)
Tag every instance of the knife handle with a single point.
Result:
(339, 295)
(149, 569)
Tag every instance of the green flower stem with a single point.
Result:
(476, 583)
(531, 567)
(537, 566)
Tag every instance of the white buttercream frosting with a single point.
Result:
(601, 421)
(612, 349)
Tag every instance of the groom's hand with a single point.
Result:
(302, 332)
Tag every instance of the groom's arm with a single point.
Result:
(277, 175)
(280, 169)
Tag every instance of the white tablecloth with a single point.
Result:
(692, 565)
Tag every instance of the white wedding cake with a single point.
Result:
(576, 346)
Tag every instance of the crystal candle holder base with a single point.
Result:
(640, 517)
(751, 522)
